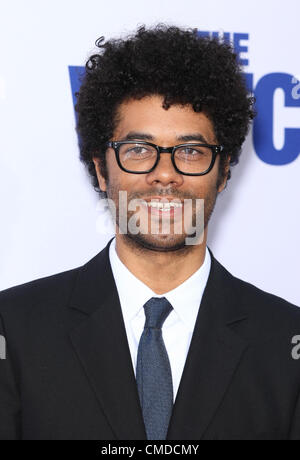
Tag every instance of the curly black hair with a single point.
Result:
(175, 63)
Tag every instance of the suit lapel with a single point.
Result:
(101, 345)
(214, 355)
(102, 348)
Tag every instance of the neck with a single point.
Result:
(161, 271)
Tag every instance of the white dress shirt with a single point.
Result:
(178, 328)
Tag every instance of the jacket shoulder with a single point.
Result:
(264, 305)
(265, 308)
(54, 288)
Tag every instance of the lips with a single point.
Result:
(164, 208)
(164, 203)
(165, 199)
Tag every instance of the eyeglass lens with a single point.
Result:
(188, 159)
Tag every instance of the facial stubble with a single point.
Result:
(175, 243)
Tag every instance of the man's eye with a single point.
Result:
(140, 151)
(137, 150)
(189, 152)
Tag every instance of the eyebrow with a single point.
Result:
(135, 135)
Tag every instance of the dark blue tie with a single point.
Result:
(153, 371)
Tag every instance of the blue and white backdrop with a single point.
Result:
(50, 221)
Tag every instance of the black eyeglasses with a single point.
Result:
(140, 157)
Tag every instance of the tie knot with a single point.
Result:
(157, 310)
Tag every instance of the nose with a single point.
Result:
(165, 173)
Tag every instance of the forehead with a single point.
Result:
(148, 115)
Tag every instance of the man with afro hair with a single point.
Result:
(153, 339)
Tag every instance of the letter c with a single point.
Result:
(263, 125)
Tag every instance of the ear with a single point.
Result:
(101, 180)
(227, 167)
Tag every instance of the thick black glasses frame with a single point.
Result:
(115, 145)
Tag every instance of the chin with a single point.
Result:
(159, 243)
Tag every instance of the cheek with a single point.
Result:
(122, 181)
(117, 178)
(201, 186)
(115, 174)
(213, 176)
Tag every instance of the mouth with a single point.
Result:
(164, 207)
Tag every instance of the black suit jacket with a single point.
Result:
(68, 372)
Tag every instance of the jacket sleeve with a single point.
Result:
(295, 426)
(10, 412)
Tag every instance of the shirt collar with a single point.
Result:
(133, 293)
